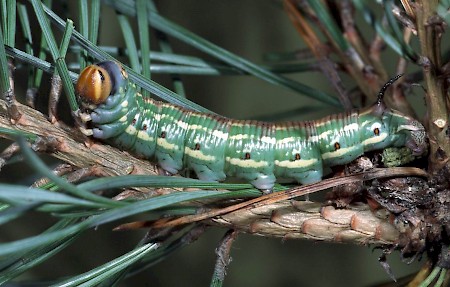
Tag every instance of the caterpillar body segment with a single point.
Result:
(216, 147)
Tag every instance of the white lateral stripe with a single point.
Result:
(199, 154)
(375, 139)
(131, 130)
(143, 135)
(296, 163)
(337, 153)
(162, 142)
(246, 163)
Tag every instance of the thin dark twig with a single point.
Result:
(404, 19)
(8, 153)
(10, 96)
(223, 257)
(319, 50)
(31, 96)
(54, 96)
(59, 170)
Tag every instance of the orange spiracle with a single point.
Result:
(94, 84)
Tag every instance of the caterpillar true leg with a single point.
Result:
(216, 147)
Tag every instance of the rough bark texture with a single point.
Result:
(74, 148)
(311, 220)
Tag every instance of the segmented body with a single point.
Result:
(215, 147)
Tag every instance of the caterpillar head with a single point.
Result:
(97, 82)
(382, 127)
(416, 136)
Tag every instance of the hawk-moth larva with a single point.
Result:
(215, 147)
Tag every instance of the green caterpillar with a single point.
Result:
(216, 147)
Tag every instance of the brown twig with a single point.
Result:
(312, 221)
(10, 96)
(55, 93)
(320, 51)
(73, 147)
(8, 153)
(429, 30)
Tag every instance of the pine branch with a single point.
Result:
(74, 148)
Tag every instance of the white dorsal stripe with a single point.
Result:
(183, 125)
(216, 133)
(269, 140)
(265, 139)
(197, 127)
(351, 127)
(325, 134)
(220, 134)
(239, 137)
(287, 140)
